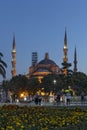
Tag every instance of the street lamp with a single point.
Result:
(54, 81)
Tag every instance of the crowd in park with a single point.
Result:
(67, 99)
(57, 99)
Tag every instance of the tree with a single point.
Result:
(80, 82)
(18, 84)
(66, 67)
(33, 85)
(3, 65)
(49, 85)
(21, 83)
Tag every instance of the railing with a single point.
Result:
(76, 100)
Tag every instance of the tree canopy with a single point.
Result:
(51, 82)
(3, 66)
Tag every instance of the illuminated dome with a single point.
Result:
(44, 67)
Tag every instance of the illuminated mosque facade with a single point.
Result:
(45, 66)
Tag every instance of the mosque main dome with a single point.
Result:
(43, 68)
(47, 61)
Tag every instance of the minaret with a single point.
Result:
(65, 63)
(65, 49)
(14, 58)
(75, 61)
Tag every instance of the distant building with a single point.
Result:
(34, 58)
(45, 66)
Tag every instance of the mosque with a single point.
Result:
(45, 66)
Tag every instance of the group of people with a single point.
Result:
(38, 99)
(63, 98)
(66, 98)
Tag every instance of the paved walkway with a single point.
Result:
(46, 104)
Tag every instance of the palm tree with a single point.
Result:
(3, 65)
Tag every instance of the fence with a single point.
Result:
(77, 100)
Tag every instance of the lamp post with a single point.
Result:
(54, 82)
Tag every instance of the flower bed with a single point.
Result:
(13, 117)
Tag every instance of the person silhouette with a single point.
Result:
(82, 98)
(68, 98)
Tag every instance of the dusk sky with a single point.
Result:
(39, 25)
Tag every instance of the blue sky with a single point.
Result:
(39, 25)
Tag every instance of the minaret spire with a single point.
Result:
(65, 63)
(65, 49)
(13, 58)
(75, 61)
(65, 39)
(14, 43)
